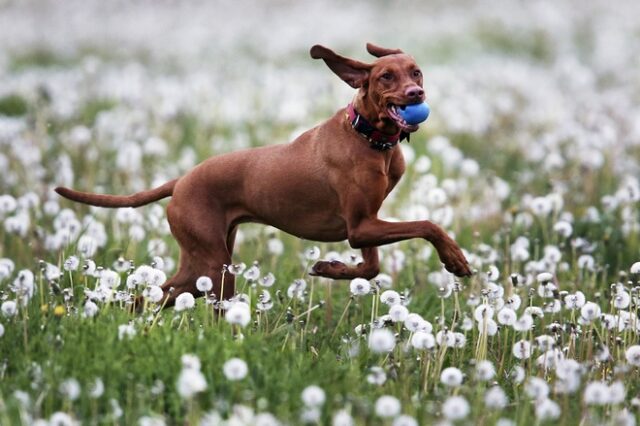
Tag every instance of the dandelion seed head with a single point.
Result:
(184, 301)
(451, 377)
(313, 396)
(359, 287)
(235, 369)
(455, 408)
(387, 406)
(204, 284)
(381, 341)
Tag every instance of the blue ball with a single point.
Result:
(414, 114)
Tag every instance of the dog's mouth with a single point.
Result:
(394, 114)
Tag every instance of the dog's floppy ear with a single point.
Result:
(353, 72)
(379, 52)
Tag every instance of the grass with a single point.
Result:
(321, 338)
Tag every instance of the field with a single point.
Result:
(530, 159)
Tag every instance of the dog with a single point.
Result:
(327, 185)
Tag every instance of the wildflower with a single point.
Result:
(488, 326)
(422, 340)
(204, 284)
(70, 389)
(184, 301)
(109, 279)
(445, 338)
(1, 330)
(635, 268)
(312, 253)
(376, 376)
(342, 418)
(384, 281)
(382, 341)
(455, 408)
(275, 246)
(621, 300)
(190, 361)
(545, 342)
(153, 293)
(534, 312)
(414, 322)
(296, 289)
(460, 340)
(513, 302)
(590, 311)
(96, 389)
(544, 277)
(546, 409)
(252, 274)
(507, 316)
(602, 354)
(313, 396)
(265, 419)
(126, 330)
(536, 388)
(71, 264)
(151, 421)
(574, 301)
(485, 370)
(267, 280)
(235, 369)
(387, 406)
(517, 374)
(90, 309)
(239, 313)
(61, 419)
(390, 297)
(236, 269)
(493, 273)
(596, 393)
(632, 354)
(586, 261)
(359, 287)
(59, 310)
(524, 323)
(190, 382)
(563, 228)
(23, 286)
(9, 308)
(483, 312)
(617, 392)
(451, 376)
(496, 398)
(398, 313)
(157, 278)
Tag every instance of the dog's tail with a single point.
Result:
(134, 200)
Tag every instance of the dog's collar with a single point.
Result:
(377, 140)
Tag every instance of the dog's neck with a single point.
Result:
(368, 110)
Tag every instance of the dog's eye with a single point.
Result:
(417, 73)
(387, 76)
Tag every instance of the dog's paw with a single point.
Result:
(453, 259)
(328, 269)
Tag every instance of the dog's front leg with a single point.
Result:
(370, 232)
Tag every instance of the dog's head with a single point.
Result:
(393, 80)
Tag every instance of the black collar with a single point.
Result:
(377, 140)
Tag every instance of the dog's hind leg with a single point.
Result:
(368, 269)
(203, 252)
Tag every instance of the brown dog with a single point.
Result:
(327, 185)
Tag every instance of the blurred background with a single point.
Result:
(530, 99)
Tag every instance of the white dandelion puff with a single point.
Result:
(235, 369)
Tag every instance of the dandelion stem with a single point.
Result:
(335, 330)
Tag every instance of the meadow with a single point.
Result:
(530, 159)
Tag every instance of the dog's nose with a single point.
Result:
(414, 93)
